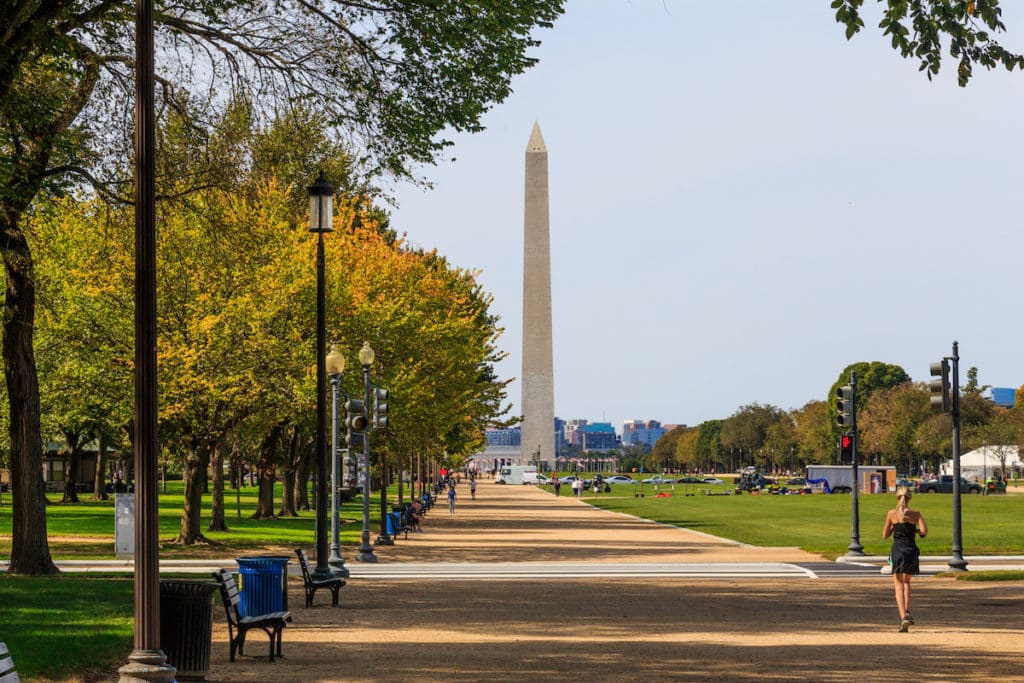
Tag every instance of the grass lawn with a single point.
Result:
(821, 523)
(89, 632)
(86, 529)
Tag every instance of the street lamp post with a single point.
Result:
(147, 662)
(365, 549)
(321, 213)
(335, 366)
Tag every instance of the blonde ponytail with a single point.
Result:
(903, 496)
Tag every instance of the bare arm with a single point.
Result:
(887, 529)
(922, 528)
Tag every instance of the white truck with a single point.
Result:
(517, 474)
(839, 478)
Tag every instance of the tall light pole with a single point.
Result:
(365, 549)
(335, 362)
(147, 662)
(321, 214)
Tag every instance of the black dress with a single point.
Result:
(904, 550)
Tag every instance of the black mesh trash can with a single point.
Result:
(186, 622)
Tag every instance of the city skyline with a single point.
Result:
(738, 214)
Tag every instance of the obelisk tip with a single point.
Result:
(536, 143)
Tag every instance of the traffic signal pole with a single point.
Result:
(855, 548)
(957, 562)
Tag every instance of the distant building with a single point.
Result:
(504, 445)
(642, 432)
(598, 436)
(1003, 396)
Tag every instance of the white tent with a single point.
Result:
(983, 462)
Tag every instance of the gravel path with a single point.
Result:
(625, 629)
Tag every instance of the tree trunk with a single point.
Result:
(289, 472)
(217, 520)
(266, 471)
(30, 548)
(303, 456)
(99, 484)
(196, 461)
(73, 440)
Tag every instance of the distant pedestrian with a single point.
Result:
(577, 486)
(902, 524)
(451, 500)
(557, 484)
(472, 489)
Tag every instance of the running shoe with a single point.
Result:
(904, 625)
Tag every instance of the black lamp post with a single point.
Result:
(335, 366)
(365, 549)
(321, 213)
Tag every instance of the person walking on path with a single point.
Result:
(576, 485)
(902, 524)
(472, 489)
(451, 500)
(557, 484)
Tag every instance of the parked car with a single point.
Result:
(796, 481)
(909, 483)
(689, 480)
(620, 479)
(568, 479)
(712, 480)
(658, 479)
(944, 484)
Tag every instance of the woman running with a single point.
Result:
(902, 524)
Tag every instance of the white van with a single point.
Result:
(516, 474)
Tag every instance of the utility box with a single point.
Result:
(124, 525)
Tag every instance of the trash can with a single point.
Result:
(186, 620)
(264, 584)
(394, 523)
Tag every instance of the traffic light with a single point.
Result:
(355, 423)
(349, 468)
(844, 406)
(355, 415)
(940, 387)
(380, 408)
(846, 448)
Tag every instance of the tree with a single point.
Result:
(889, 424)
(1003, 433)
(815, 443)
(972, 386)
(918, 28)
(871, 377)
(747, 429)
(391, 77)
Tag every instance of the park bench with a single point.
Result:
(272, 624)
(7, 672)
(311, 584)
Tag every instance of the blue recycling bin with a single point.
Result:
(394, 522)
(264, 587)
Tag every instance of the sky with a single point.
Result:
(743, 203)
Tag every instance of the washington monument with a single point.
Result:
(538, 401)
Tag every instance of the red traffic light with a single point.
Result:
(846, 448)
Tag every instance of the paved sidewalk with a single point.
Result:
(614, 628)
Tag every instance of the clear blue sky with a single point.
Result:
(742, 204)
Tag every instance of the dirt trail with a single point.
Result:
(626, 629)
